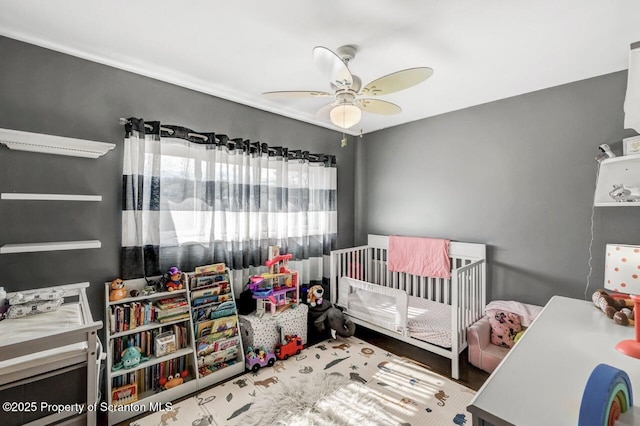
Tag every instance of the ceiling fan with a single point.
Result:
(346, 109)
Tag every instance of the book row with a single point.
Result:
(146, 341)
(127, 387)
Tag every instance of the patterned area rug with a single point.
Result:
(336, 382)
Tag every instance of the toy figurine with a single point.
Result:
(174, 282)
(118, 291)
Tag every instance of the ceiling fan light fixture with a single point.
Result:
(345, 115)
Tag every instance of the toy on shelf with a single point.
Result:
(118, 290)
(260, 358)
(124, 395)
(617, 307)
(131, 357)
(278, 288)
(288, 345)
(173, 381)
(174, 280)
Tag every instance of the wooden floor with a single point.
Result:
(470, 376)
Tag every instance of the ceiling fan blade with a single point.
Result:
(378, 106)
(332, 67)
(397, 81)
(296, 94)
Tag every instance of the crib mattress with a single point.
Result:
(426, 320)
(35, 326)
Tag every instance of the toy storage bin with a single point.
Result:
(259, 332)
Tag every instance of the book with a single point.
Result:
(205, 348)
(218, 357)
(215, 326)
(164, 313)
(213, 311)
(171, 302)
(214, 290)
(176, 317)
(210, 299)
(217, 268)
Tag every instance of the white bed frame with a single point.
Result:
(41, 368)
(465, 292)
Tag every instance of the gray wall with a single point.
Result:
(48, 92)
(516, 174)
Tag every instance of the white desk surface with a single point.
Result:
(542, 378)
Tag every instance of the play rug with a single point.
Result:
(336, 382)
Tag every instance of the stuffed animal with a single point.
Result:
(173, 381)
(314, 296)
(131, 357)
(174, 282)
(326, 315)
(118, 290)
(618, 309)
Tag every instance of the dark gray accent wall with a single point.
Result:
(48, 92)
(516, 174)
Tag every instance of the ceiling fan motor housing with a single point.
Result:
(346, 53)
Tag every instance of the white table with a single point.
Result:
(542, 378)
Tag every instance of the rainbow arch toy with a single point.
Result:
(606, 395)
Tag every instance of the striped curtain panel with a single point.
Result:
(192, 198)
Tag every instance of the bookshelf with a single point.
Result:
(218, 347)
(136, 321)
(207, 348)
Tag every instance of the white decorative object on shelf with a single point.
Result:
(631, 146)
(48, 197)
(618, 176)
(49, 144)
(50, 246)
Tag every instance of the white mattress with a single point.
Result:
(426, 320)
(35, 326)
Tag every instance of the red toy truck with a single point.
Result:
(293, 346)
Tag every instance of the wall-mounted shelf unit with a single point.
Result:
(623, 170)
(49, 144)
(48, 197)
(50, 246)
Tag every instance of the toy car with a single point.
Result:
(254, 360)
(292, 347)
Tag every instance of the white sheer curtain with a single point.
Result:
(191, 199)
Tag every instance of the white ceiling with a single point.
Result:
(480, 51)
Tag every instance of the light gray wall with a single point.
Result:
(48, 92)
(516, 174)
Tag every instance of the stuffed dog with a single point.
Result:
(314, 296)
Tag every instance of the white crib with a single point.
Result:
(430, 313)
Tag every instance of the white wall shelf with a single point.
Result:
(50, 246)
(623, 170)
(49, 144)
(48, 197)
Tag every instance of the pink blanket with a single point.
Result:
(427, 257)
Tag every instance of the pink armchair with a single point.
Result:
(482, 353)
